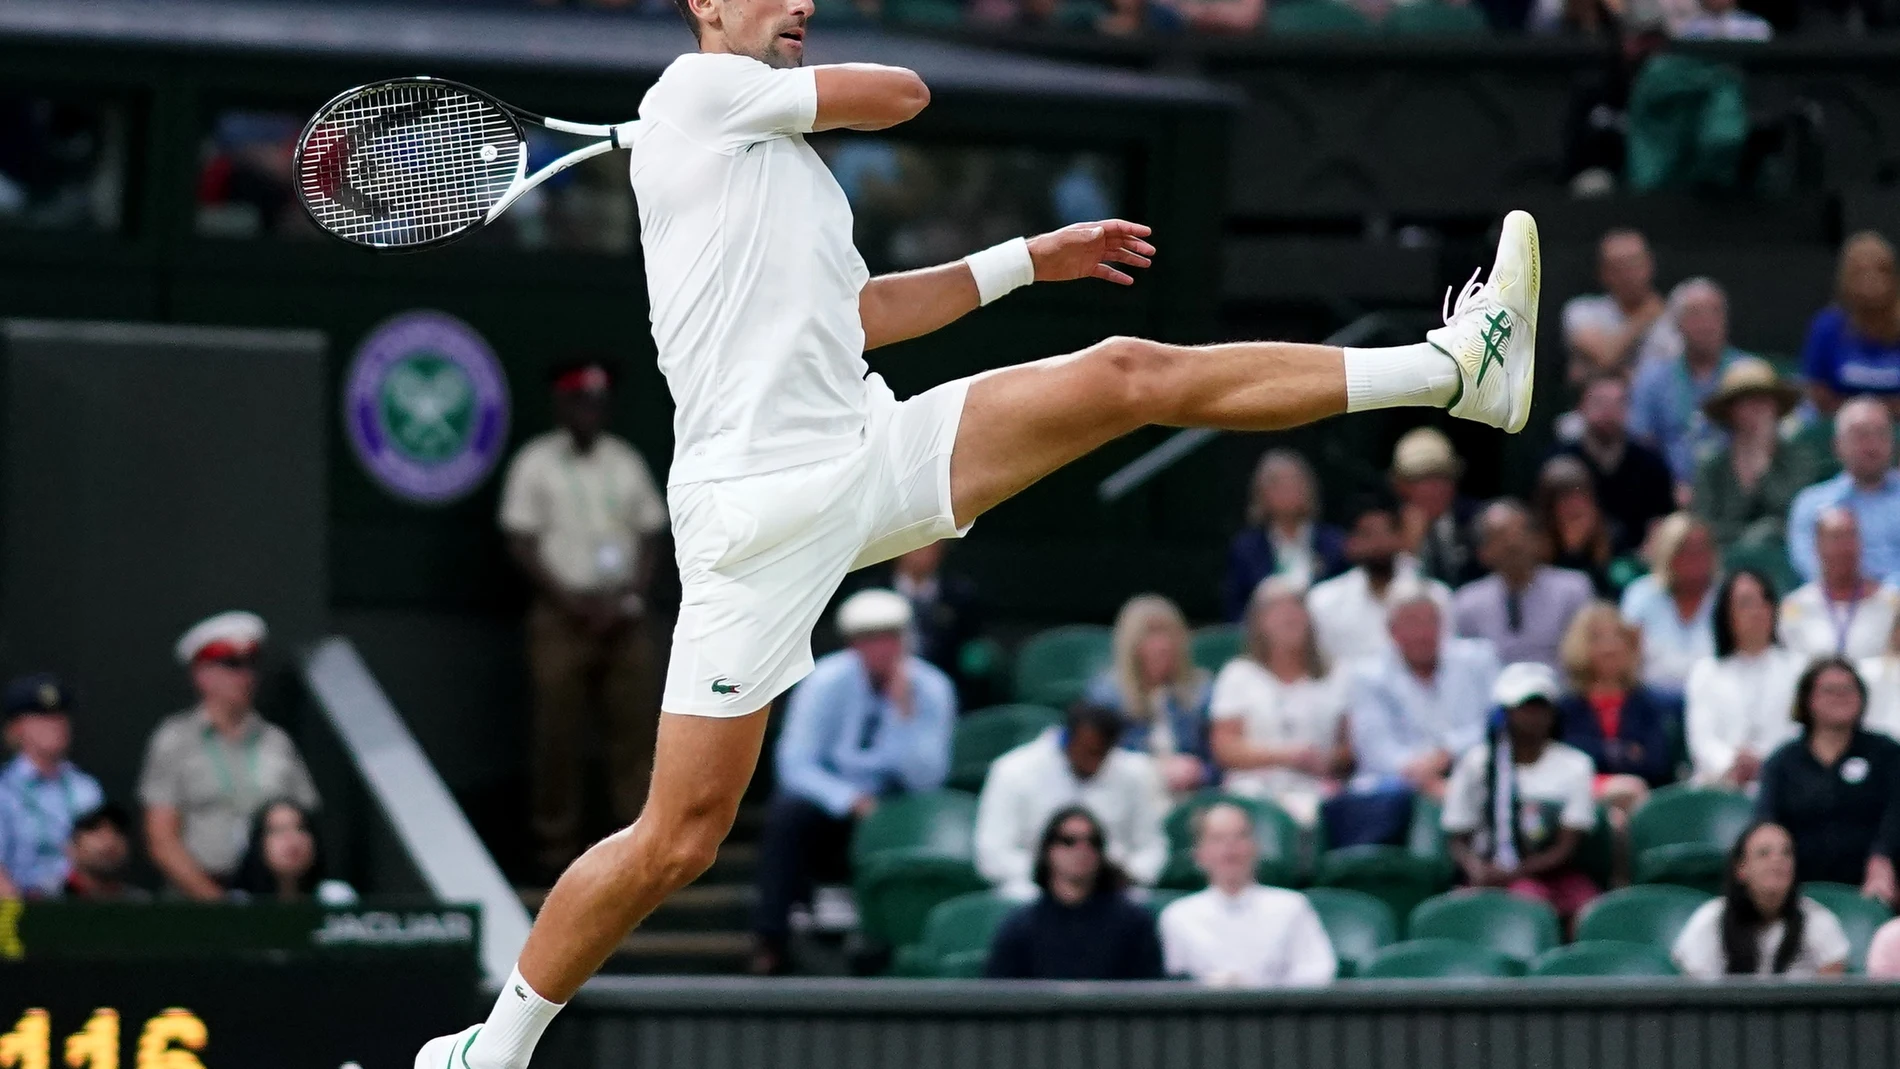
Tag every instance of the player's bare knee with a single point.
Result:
(1138, 378)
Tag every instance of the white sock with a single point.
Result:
(513, 1027)
(1400, 376)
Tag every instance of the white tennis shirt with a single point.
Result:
(751, 274)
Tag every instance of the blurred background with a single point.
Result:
(291, 726)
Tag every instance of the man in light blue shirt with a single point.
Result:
(41, 793)
(1867, 485)
(1666, 397)
(870, 721)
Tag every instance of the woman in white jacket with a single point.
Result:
(1738, 705)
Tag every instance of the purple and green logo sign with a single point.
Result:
(425, 407)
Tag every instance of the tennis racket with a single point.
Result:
(412, 163)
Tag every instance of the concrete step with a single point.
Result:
(699, 953)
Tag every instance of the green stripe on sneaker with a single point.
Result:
(464, 1051)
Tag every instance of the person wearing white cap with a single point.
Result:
(209, 769)
(1518, 805)
(1434, 518)
(871, 721)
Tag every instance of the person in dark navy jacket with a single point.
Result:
(1283, 535)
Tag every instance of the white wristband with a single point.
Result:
(1001, 268)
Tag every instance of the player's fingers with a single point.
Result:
(1123, 226)
(1139, 246)
(1123, 256)
(1109, 274)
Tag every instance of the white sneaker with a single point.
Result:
(447, 1052)
(1491, 333)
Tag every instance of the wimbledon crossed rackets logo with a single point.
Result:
(426, 407)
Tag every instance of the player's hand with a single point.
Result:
(1090, 250)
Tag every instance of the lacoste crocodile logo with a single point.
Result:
(720, 686)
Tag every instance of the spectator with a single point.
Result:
(1622, 725)
(584, 523)
(1844, 613)
(1673, 607)
(1762, 925)
(1867, 484)
(1218, 16)
(1582, 538)
(1076, 765)
(1497, 801)
(98, 855)
(282, 860)
(1634, 487)
(946, 615)
(1238, 933)
(1883, 952)
(1349, 611)
(1616, 329)
(1719, 20)
(1523, 607)
(1413, 710)
(1735, 708)
(1745, 486)
(208, 770)
(41, 790)
(1279, 711)
(1082, 925)
(1434, 519)
(1881, 673)
(1158, 690)
(869, 722)
(1836, 788)
(1853, 345)
(1667, 396)
(1283, 536)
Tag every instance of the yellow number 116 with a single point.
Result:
(166, 1042)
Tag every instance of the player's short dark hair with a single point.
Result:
(686, 12)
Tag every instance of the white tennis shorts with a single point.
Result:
(761, 555)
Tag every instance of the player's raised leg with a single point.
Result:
(1021, 423)
(701, 767)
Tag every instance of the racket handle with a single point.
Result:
(618, 134)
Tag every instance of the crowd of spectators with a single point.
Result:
(1690, 597)
(228, 805)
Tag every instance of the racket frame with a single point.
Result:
(612, 137)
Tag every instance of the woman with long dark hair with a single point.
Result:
(283, 860)
(1762, 925)
(1082, 925)
(1836, 788)
(1735, 705)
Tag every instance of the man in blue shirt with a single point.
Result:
(1867, 485)
(1666, 399)
(871, 721)
(40, 791)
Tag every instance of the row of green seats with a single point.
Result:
(1340, 17)
(1054, 667)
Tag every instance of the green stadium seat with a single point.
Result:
(1356, 922)
(986, 734)
(963, 964)
(1521, 928)
(1860, 917)
(897, 889)
(1399, 876)
(1315, 17)
(1604, 957)
(1682, 835)
(932, 13)
(962, 925)
(1055, 666)
(840, 13)
(1216, 644)
(1648, 914)
(1437, 959)
(1282, 847)
(935, 823)
(1436, 19)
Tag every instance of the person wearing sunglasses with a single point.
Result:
(1082, 926)
(210, 768)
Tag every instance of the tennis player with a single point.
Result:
(794, 464)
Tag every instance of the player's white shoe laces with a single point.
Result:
(1490, 331)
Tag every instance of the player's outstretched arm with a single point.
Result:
(897, 307)
(866, 96)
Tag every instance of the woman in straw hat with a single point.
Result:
(1744, 488)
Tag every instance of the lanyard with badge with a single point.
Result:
(227, 783)
(48, 843)
(610, 554)
(1843, 622)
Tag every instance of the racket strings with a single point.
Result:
(407, 163)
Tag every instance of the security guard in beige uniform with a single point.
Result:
(584, 521)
